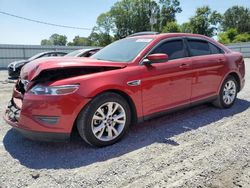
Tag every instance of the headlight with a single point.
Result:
(53, 90)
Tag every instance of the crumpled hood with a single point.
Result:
(31, 70)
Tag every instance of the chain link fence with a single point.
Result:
(243, 48)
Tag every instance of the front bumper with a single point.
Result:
(32, 115)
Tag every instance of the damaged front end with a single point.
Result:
(43, 110)
(63, 73)
(14, 106)
(23, 85)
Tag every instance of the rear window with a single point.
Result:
(198, 47)
(215, 50)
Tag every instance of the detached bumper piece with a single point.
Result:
(13, 111)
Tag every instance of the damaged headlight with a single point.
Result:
(53, 90)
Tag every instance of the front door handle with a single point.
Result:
(184, 66)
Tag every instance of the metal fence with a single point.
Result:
(10, 53)
(243, 48)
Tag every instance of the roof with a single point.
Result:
(166, 35)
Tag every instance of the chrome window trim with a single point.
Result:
(206, 40)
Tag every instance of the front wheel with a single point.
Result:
(228, 93)
(104, 120)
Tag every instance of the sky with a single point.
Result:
(78, 13)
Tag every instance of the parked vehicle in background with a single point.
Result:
(15, 67)
(83, 52)
(131, 80)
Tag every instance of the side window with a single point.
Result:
(198, 47)
(215, 50)
(174, 49)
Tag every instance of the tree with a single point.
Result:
(104, 23)
(80, 41)
(186, 28)
(169, 9)
(223, 38)
(130, 16)
(60, 40)
(171, 27)
(101, 34)
(243, 37)
(100, 39)
(205, 21)
(233, 36)
(46, 42)
(55, 39)
(227, 36)
(237, 17)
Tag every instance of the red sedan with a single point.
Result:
(130, 80)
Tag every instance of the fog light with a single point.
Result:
(51, 120)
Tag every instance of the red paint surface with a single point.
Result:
(163, 85)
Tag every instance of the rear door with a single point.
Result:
(208, 62)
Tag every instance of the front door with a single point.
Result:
(167, 84)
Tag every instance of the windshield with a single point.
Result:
(124, 50)
(74, 53)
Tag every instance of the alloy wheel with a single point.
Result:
(229, 92)
(108, 121)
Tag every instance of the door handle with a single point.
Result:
(220, 60)
(184, 65)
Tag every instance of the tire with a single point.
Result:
(222, 101)
(98, 126)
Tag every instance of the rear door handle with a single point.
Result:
(184, 65)
(220, 60)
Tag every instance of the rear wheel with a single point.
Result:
(228, 93)
(104, 120)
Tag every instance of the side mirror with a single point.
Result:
(155, 58)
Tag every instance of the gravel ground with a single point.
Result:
(198, 147)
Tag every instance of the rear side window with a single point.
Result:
(174, 49)
(215, 50)
(198, 47)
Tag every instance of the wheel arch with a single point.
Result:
(134, 117)
(237, 78)
(235, 75)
